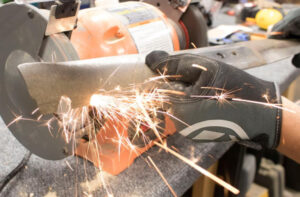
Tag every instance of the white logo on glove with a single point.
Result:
(212, 135)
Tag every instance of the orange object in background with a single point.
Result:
(126, 28)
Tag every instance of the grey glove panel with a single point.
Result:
(186, 67)
(243, 85)
(210, 120)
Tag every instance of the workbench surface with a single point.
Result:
(57, 178)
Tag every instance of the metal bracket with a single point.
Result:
(63, 17)
(173, 8)
(178, 3)
(65, 10)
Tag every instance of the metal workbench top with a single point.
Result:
(57, 178)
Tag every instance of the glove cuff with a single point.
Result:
(278, 119)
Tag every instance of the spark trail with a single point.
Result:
(199, 169)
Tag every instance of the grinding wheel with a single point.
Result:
(22, 40)
(195, 24)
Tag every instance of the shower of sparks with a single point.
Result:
(199, 169)
(162, 176)
(137, 107)
(132, 107)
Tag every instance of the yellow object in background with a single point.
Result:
(266, 17)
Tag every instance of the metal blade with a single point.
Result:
(78, 80)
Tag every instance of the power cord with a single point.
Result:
(15, 171)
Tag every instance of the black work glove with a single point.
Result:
(288, 27)
(208, 106)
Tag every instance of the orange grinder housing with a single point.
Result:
(125, 28)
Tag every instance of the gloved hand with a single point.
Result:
(288, 27)
(212, 107)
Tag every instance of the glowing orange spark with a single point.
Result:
(162, 176)
(34, 111)
(174, 92)
(174, 148)
(68, 164)
(199, 66)
(40, 117)
(193, 45)
(199, 169)
(266, 97)
(213, 88)
(14, 121)
(163, 77)
(265, 104)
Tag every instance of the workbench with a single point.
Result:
(68, 177)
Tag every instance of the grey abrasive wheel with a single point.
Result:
(195, 24)
(22, 40)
